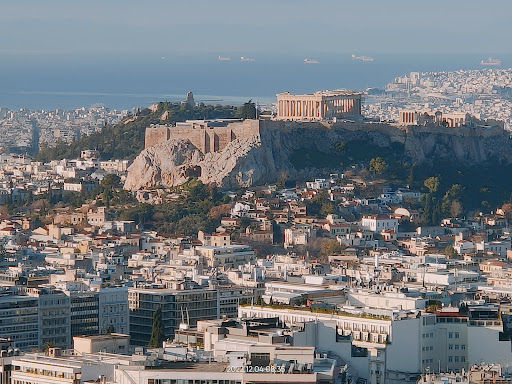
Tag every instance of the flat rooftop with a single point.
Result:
(104, 337)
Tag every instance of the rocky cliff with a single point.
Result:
(273, 151)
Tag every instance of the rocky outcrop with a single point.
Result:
(175, 161)
(168, 164)
(268, 155)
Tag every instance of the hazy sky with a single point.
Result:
(283, 27)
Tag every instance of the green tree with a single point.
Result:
(451, 204)
(330, 247)
(245, 222)
(340, 146)
(111, 181)
(157, 330)
(450, 252)
(247, 110)
(432, 214)
(197, 191)
(378, 165)
(320, 205)
(191, 224)
(432, 184)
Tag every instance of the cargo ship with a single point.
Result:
(247, 59)
(491, 62)
(311, 61)
(362, 58)
(224, 58)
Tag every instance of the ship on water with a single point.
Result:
(362, 58)
(224, 58)
(247, 59)
(311, 61)
(491, 61)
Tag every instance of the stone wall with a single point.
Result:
(206, 138)
(156, 134)
(209, 139)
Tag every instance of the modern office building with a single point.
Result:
(54, 313)
(176, 306)
(19, 320)
(84, 312)
(97, 310)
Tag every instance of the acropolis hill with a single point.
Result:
(235, 153)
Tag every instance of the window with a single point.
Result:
(450, 359)
(463, 347)
(456, 335)
(456, 346)
(450, 346)
(450, 335)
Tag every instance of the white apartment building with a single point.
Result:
(228, 256)
(38, 368)
(318, 184)
(298, 235)
(113, 313)
(499, 247)
(407, 342)
(379, 223)
(114, 165)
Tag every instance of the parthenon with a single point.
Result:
(319, 105)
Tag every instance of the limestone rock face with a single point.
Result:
(266, 156)
(176, 161)
(168, 164)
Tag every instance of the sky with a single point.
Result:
(276, 27)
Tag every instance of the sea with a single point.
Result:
(126, 81)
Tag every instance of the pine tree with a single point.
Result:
(157, 331)
(247, 110)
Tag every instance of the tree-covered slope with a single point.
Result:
(126, 138)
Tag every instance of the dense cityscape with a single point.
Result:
(348, 235)
(24, 130)
(483, 93)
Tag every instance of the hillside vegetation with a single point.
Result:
(472, 186)
(125, 139)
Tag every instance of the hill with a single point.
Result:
(280, 152)
(126, 138)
